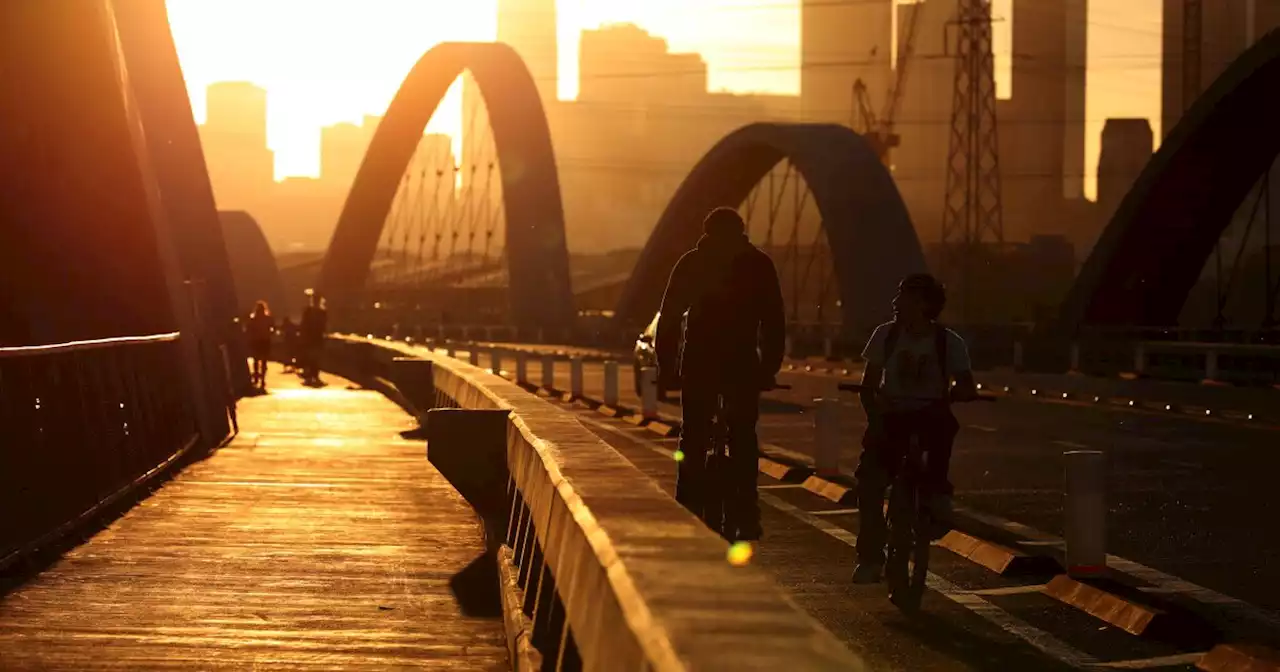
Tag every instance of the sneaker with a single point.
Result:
(867, 573)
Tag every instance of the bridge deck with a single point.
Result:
(318, 539)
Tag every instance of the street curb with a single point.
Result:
(783, 472)
(1002, 560)
(1240, 658)
(519, 631)
(662, 429)
(833, 491)
(1133, 618)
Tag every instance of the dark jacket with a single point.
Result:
(735, 322)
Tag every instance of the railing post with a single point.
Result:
(541, 335)
(1075, 357)
(548, 372)
(826, 425)
(495, 359)
(649, 393)
(826, 348)
(1086, 525)
(1017, 355)
(1211, 365)
(575, 377)
(522, 367)
(611, 384)
(788, 349)
(1139, 359)
(473, 356)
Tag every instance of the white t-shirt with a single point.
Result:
(912, 376)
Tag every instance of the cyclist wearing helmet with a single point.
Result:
(733, 346)
(910, 365)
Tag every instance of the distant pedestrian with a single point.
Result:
(315, 320)
(258, 328)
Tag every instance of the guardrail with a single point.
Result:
(84, 423)
(616, 575)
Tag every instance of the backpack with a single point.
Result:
(940, 342)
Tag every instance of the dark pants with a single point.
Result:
(700, 398)
(878, 466)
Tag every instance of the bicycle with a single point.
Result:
(718, 480)
(906, 568)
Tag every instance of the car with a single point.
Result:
(646, 355)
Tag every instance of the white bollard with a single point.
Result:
(522, 368)
(826, 425)
(649, 393)
(548, 372)
(1086, 508)
(1211, 365)
(1075, 356)
(1017, 355)
(473, 356)
(611, 384)
(1139, 359)
(575, 377)
(495, 359)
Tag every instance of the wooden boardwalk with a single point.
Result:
(318, 539)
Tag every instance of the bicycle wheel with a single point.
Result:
(908, 562)
(716, 480)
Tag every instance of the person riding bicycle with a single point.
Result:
(734, 334)
(910, 365)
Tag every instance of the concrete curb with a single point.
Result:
(1123, 613)
(524, 658)
(1240, 658)
(1002, 560)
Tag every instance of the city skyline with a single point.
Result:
(751, 46)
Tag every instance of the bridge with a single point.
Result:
(477, 491)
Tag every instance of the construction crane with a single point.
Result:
(879, 129)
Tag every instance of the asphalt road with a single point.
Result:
(1188, 498)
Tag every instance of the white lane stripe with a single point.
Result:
(834, 512)
(982, 428)
(1232, 606)
(1071, 444)
(1002, 619)
(1149, 663)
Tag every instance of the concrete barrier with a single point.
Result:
(616, 574)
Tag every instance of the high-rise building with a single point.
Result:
(342, 148)
(841, 42)
(1126, 149)
(234, 138)
(624, 63)
(530, 27)
(1227, 28)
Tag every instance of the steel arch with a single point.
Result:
(253, 266)
(1152, 252)
(537, 255)
(873, 243)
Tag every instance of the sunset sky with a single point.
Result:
(326, 61)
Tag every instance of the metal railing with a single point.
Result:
(84, 422)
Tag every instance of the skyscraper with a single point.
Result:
(1227, 28)
(841, 42)
(530, 27)
(342, 148)
(234, 137)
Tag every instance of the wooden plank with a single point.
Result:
(319, 534)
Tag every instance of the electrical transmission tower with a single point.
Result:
(972, 214)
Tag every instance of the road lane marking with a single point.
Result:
(1041, 640)
(834, 512)
(1071, 444)
(982, 428)
(1149, 663)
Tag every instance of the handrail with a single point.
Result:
(80, 346)
(639, 582)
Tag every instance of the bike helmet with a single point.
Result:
(928, 288)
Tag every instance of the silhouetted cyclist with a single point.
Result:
(910, 363)
(259, 328)
(726, 290)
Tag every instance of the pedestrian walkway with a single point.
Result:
(318, 539)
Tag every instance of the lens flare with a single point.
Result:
(678, 455)
(740, 554)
